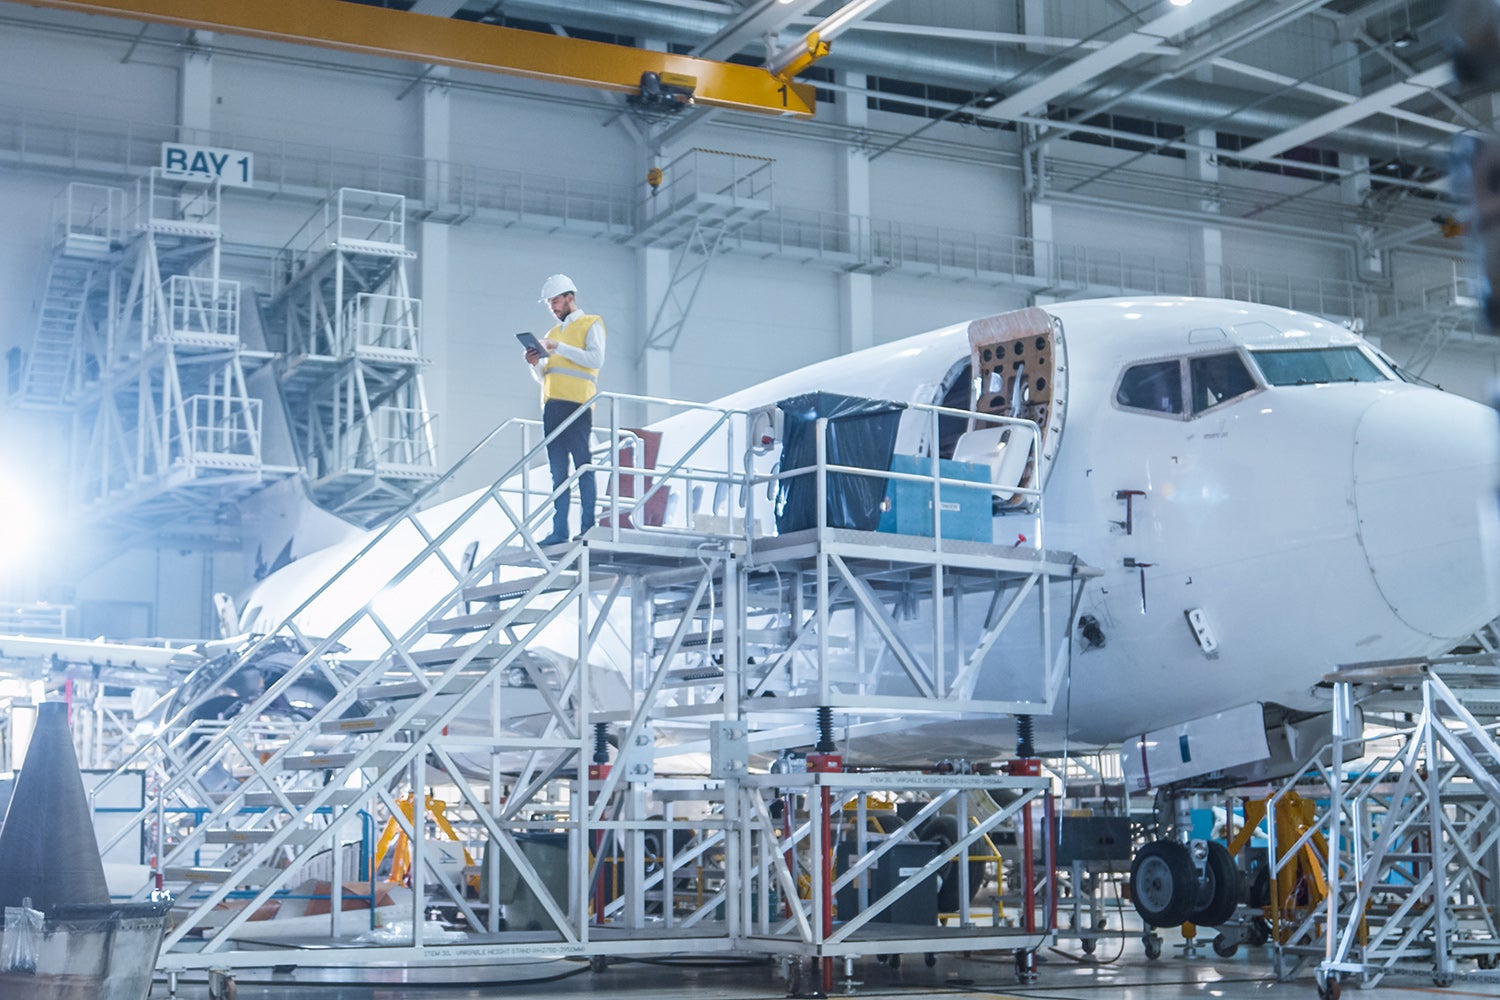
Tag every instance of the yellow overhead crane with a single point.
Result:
(355, 27)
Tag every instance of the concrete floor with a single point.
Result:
(1119, 971)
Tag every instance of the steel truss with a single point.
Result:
(706, 195)
(351, 331)
(139, 337)
(1402, 869)
(701, 652)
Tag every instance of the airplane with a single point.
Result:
(1261, 494)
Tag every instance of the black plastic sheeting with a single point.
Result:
(861, 434)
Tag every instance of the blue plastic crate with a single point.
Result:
(967, 511)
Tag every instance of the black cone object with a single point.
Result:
(47, 846)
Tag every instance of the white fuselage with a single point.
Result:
(1310, 525)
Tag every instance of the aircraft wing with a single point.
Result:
(114, 660)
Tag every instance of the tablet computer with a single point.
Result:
(529, 341)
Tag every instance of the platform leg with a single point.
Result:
(1026, 966)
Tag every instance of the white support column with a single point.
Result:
(856, 291)
(195, 90)
(433, 265)
(653, 278)
(1207, 240)
(1036, 215)
(1354, 189)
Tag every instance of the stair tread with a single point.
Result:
(321, 761)
(447, 654)
(370, 724)
(483, 620)
(397, 690)
(510, 589)
(300, 797)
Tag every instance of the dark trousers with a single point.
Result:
(572, 443)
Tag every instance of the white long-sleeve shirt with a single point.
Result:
(591, 356)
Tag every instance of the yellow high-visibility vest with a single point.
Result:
(563, 379)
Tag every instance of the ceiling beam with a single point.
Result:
(377, 31)
(1111, 56)
(1371, 104)
(753, 24)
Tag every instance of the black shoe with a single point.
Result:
(556, 538)
(582, 532)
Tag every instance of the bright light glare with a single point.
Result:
(1181, 3)
(24, 528)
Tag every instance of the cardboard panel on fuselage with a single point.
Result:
(1018, 353)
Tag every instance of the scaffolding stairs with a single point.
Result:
(711, 638)
(1411, 835)
(51, 365)
(350, 333)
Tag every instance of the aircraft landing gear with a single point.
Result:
(1168, 888)
(1163, 883)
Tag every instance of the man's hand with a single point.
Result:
(533, 355)
(549, 344)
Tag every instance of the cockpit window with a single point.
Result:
(1155, 386)
(1217, 379)
(1312, 366)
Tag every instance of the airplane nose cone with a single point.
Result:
(1425, 471)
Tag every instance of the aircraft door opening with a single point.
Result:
(1018, 371)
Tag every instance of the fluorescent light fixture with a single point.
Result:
(1181, 3)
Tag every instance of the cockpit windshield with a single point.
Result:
(1313, 366)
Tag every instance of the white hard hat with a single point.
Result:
(555, 285)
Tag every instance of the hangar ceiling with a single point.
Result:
(1321, 93)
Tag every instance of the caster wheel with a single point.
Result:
(1225, 947)
(1331, 989)
(220, 986)
(1442, 981)
(1153, 947)
(1089, 945)
(895, 962)
(1259, 931)
(598, 963)
(929, 959)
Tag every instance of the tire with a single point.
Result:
(1219, 892)
(1163, 883)
(1260, 886)
(944, 831)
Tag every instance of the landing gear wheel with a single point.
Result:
(1219, 893)
(1225, 946)
(1153, 947)
(1163, 883)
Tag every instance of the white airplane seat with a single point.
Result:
(989, 446)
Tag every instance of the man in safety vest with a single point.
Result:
(569, 374)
